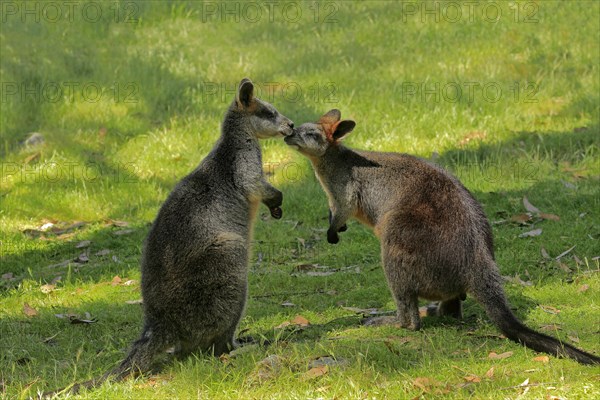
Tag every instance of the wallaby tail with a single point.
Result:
(491, 296)
(137, 362)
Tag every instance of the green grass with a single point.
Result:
(116, 159)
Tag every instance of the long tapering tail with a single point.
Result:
(491, 296)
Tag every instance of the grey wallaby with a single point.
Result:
(436, 242)
(195, 258)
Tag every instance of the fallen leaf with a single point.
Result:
(490, 373)
(129, 282)
(7, 276)
(545, 253)
(564, 253)
(103, 252)
(297, 321)
(575, 339)
(530, 207)
(300, 320)
(535, 232)
(117, 223)
(425, 384)
(139, 301)
(364, 311)
(525, 382)
(521, 218)
(61, 264)
(123, 232)
(29, 311)
(83, 244)
(284, 324)
(47, 288)
(60, 230)
(496, 356)
(316, 372)
(583, 288)
(472, 378)
(116, 280)
(288, 304)
(326, 361)
(67, 315)
(564, 266)
(50, 340)
(319, 273)
(82, 258)
(550, 309)
(551, 217)
(542, 359)
(551, 327)
(517, 280)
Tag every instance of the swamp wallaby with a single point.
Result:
(436, 242)
(195, 259)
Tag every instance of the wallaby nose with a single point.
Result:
(291, 124)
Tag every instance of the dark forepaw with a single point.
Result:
(332, 236)
(276, 212)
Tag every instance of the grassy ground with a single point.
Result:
(129, 98)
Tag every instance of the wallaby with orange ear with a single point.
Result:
(436, 242)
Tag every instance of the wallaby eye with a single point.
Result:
(268, 114)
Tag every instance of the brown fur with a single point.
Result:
(436, 242)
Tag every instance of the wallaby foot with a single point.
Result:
(332, 236)
(411, 322)
(408, 314)
(276, 212)
(452, 308)
(381, 321)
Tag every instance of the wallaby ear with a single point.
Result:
(331, 117)
(342, 128)
(328, 122)
(245, 92)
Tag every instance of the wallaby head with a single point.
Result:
(258, 117)
(314, 138)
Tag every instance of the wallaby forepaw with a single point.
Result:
(276, 212)
(332, 236)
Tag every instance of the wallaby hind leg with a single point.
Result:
(403, 291)
(226, 343)
(452, 308)
(141, 355)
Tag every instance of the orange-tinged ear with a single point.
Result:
(329, 122)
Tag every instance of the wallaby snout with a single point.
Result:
(287, 127)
